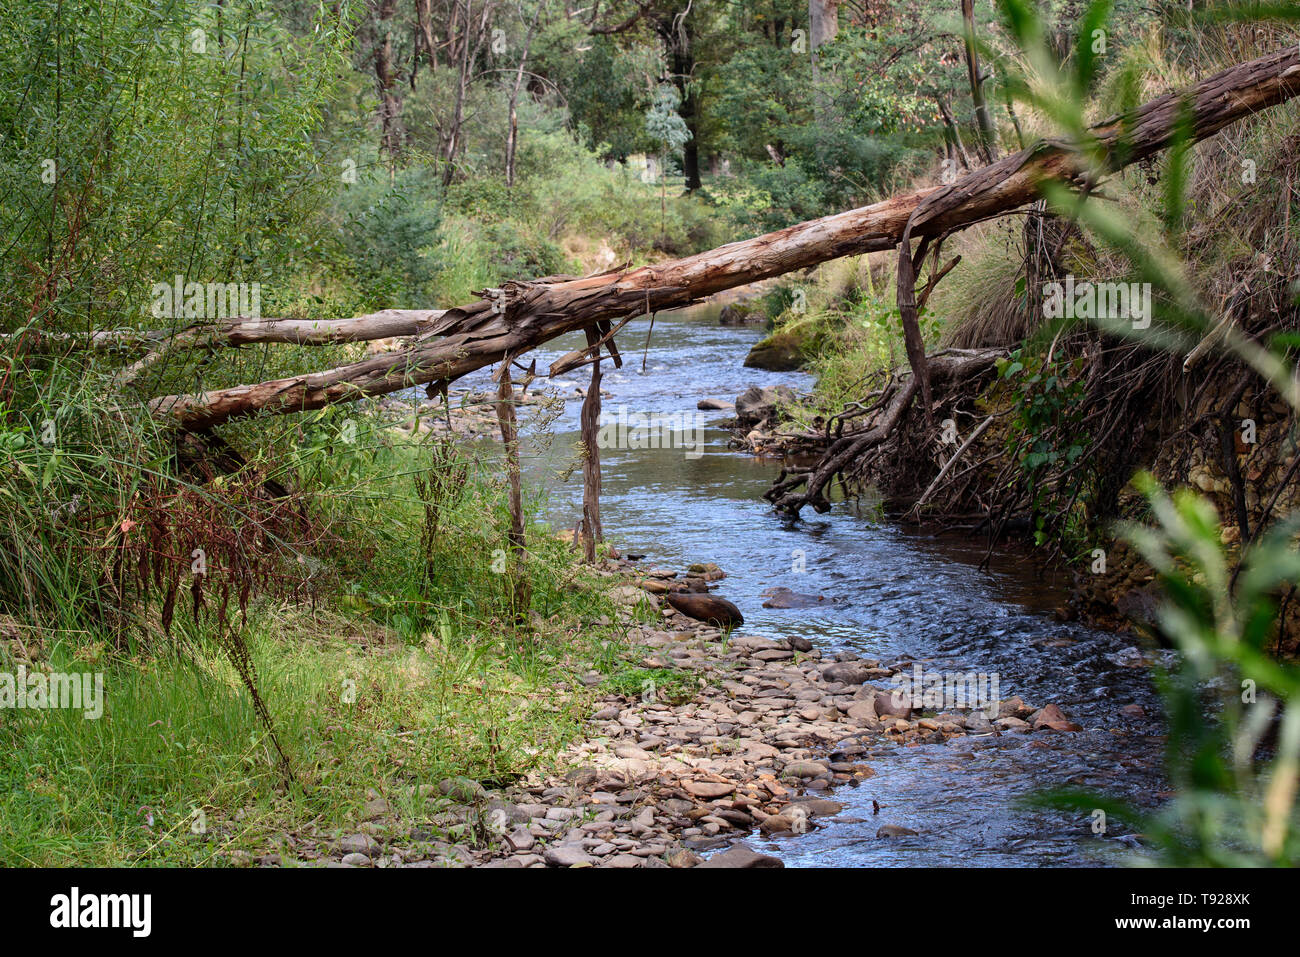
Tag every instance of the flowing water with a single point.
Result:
(897, 595)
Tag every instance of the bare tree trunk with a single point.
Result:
(387, 324)
(451, 138)
(390, 104)
(471, 44)
(524, 315)
(909, 315)
(518, 547)
(512, 138)
(424, 28)
(823, 22)
(954, 135)
(592, 532)
(988, 136)
(823, 25)
(675, 31)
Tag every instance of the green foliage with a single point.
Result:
(420, 629)
(602, 91)
(1047, 430)
(784, 195)
(68, 474)
(655, 684)
(389, 233)
(139, 141)
(521, 258)
(768, 85)
(662, 123)
(1236, 775)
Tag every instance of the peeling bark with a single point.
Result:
(592, 532)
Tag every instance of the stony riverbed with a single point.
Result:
(760, 750)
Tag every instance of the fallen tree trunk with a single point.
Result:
(240, 331)
(524, 315)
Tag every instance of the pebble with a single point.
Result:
(566, 855)
(362, 844)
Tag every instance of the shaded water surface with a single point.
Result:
(899, 594)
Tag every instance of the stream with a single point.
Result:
(898, 594)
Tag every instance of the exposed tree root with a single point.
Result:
(949, 369)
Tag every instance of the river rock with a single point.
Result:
(848, 672)
(706, 607)
(756, 406)
(741, 313)
(567, 855)
(741, 855)
(714, 405)
(785, 598)
(579, 777)
(1014, 707)
(462, 789)
(863, 712)
(629, 596)
(708, 789)
(1052, 718)
(779, 352)
(359, 844)
(789, 821)
(804, 769)
(708, 570)
(819, 807)
(894, 830)
(520, 839)
(1141, 605)
(890, 706)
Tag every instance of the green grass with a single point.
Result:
(179, 735)
(406, 667)
(674, 687)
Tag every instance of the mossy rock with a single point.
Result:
(742, 314)
(779, 352)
